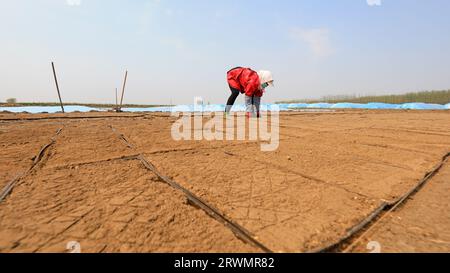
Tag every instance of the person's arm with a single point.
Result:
(260, 92)
(252, 86)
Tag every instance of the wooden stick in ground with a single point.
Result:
(123, 89)
(117, 103)
(57, 87)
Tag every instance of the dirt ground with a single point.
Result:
(421, 225)
(80, 177)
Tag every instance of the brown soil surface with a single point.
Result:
(420, 225)
(19, 143)
(331, 171)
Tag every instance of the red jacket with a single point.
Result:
(245, 80)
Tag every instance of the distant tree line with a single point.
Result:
(439, 97)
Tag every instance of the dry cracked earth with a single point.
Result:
(81, 177)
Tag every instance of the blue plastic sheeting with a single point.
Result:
(292, 106)
(345, 105)
(378, 105)
(422, 106)
(319, 105)
(236, 108)
(48, 109)
(372, 105)
(195, 108)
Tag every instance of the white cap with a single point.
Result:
(265, 77)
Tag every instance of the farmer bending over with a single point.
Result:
(252, 84)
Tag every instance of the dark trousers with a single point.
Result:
(234, 94)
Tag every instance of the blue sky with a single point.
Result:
(176, 50)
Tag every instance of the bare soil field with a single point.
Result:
(421, 225)
(118, 182)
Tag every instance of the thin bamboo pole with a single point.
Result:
(123, 89)
(57, 87)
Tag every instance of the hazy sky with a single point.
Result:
(178, 49)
